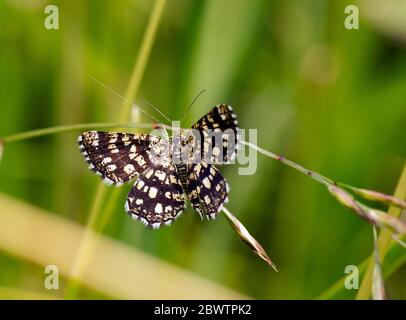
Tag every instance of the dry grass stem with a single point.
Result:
(373, 216)
(380, 197)
(247, 238)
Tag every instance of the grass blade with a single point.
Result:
(86, 248)
(384, 240)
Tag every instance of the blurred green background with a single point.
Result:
(331, 99)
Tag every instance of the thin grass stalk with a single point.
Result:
(142, 58)
(1, 149)
(141, 61)
(378, 287)
(86, 245)
(372, 216)
(72, 127)
(365, 193)
(398, 240)
(130, 93)
(108, 210)
(312, 174)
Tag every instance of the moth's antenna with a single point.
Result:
(194, 100)
(156, 109)
(124, 98)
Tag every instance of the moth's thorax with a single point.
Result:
(186, 147)
(183, 174)
(182, 148)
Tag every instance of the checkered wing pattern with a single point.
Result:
(157, 197)
(207, 189)
(162, 187)
(116, 157)
(219, 135)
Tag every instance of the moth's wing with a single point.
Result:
(116, 157)
(219, 135)
(157, 196)
(207, 189)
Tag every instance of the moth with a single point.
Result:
(168, 172)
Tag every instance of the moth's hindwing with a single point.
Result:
(157, 196)
(208, 190)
